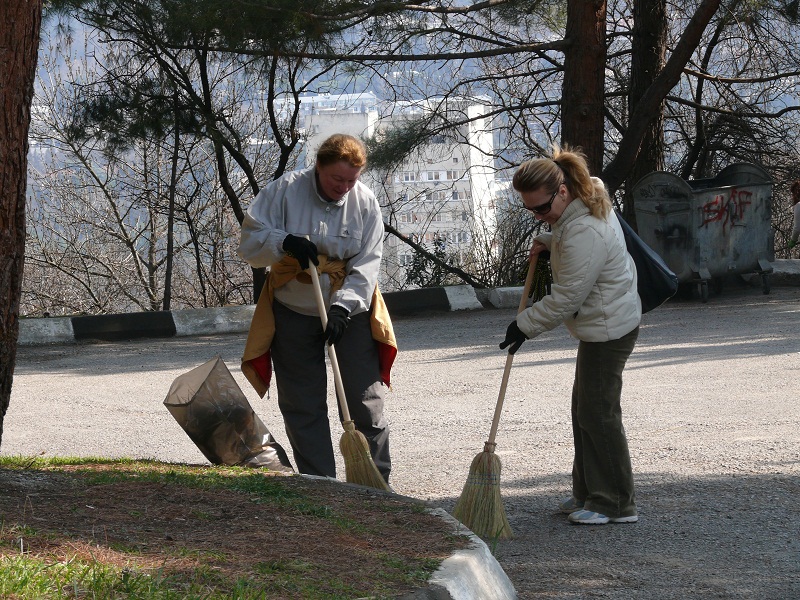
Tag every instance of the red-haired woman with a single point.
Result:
(324, 216)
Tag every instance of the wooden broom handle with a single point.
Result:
(498, 409)
(337, 376)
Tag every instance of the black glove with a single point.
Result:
(514, 338)
(302, 249)
(338, 320)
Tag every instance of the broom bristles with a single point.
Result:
(480, 506)
(358, 464)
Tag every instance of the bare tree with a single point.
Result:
(108, 211)
(593, 74)
(648, 54)
(196, 53)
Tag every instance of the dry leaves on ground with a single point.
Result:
(337, 535)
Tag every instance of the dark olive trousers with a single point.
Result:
(602, 477)
(301, 376)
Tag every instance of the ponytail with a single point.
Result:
(572, 161)
(567, 166)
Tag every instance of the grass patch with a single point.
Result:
(99, 528)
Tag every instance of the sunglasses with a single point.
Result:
(543, 209)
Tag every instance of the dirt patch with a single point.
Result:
(297, 529)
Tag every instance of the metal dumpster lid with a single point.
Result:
(679, 185)
(742, 173)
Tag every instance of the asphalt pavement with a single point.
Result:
(710, 407)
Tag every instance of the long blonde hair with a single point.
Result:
(568, 166)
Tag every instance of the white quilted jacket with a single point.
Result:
(594, 280)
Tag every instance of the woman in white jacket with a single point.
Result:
(594, 294)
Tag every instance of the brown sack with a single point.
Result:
(213, 411)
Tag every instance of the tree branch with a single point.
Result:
(465, 277)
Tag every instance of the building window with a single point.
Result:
(409, 176)
(452, 175)
(434, 175)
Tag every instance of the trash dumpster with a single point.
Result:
(705, 229)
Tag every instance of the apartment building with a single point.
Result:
(442, 196)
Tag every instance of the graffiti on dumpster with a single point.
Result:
(661, 190)
(727, 211)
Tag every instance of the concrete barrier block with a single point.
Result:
(462, 297)
(128, 326)
(505, 297)
(50, 330)
(409, 302)
(785, 272)
(201, 321)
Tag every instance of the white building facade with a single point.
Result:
(441, 197)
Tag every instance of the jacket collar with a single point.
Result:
(574, 209)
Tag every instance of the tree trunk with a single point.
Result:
(619, 168)
(648, 52)
(19, 45)
(173, 190)
(582, 106)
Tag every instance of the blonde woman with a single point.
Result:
(594, 294)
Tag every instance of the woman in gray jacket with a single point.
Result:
(594, 294)
(323, 210)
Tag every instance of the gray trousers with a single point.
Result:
(602, 476)
(298, 359)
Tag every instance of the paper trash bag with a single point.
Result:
(214, 412)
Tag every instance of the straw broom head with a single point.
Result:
(358, 464)
(480, 507)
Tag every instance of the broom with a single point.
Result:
(358, 464)
(480, 506)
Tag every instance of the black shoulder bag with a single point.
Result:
(656, 282)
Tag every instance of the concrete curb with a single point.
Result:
(505, 297)
(236, 319)
(468, 574)
(211, 321)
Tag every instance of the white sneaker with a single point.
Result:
(588, 517)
